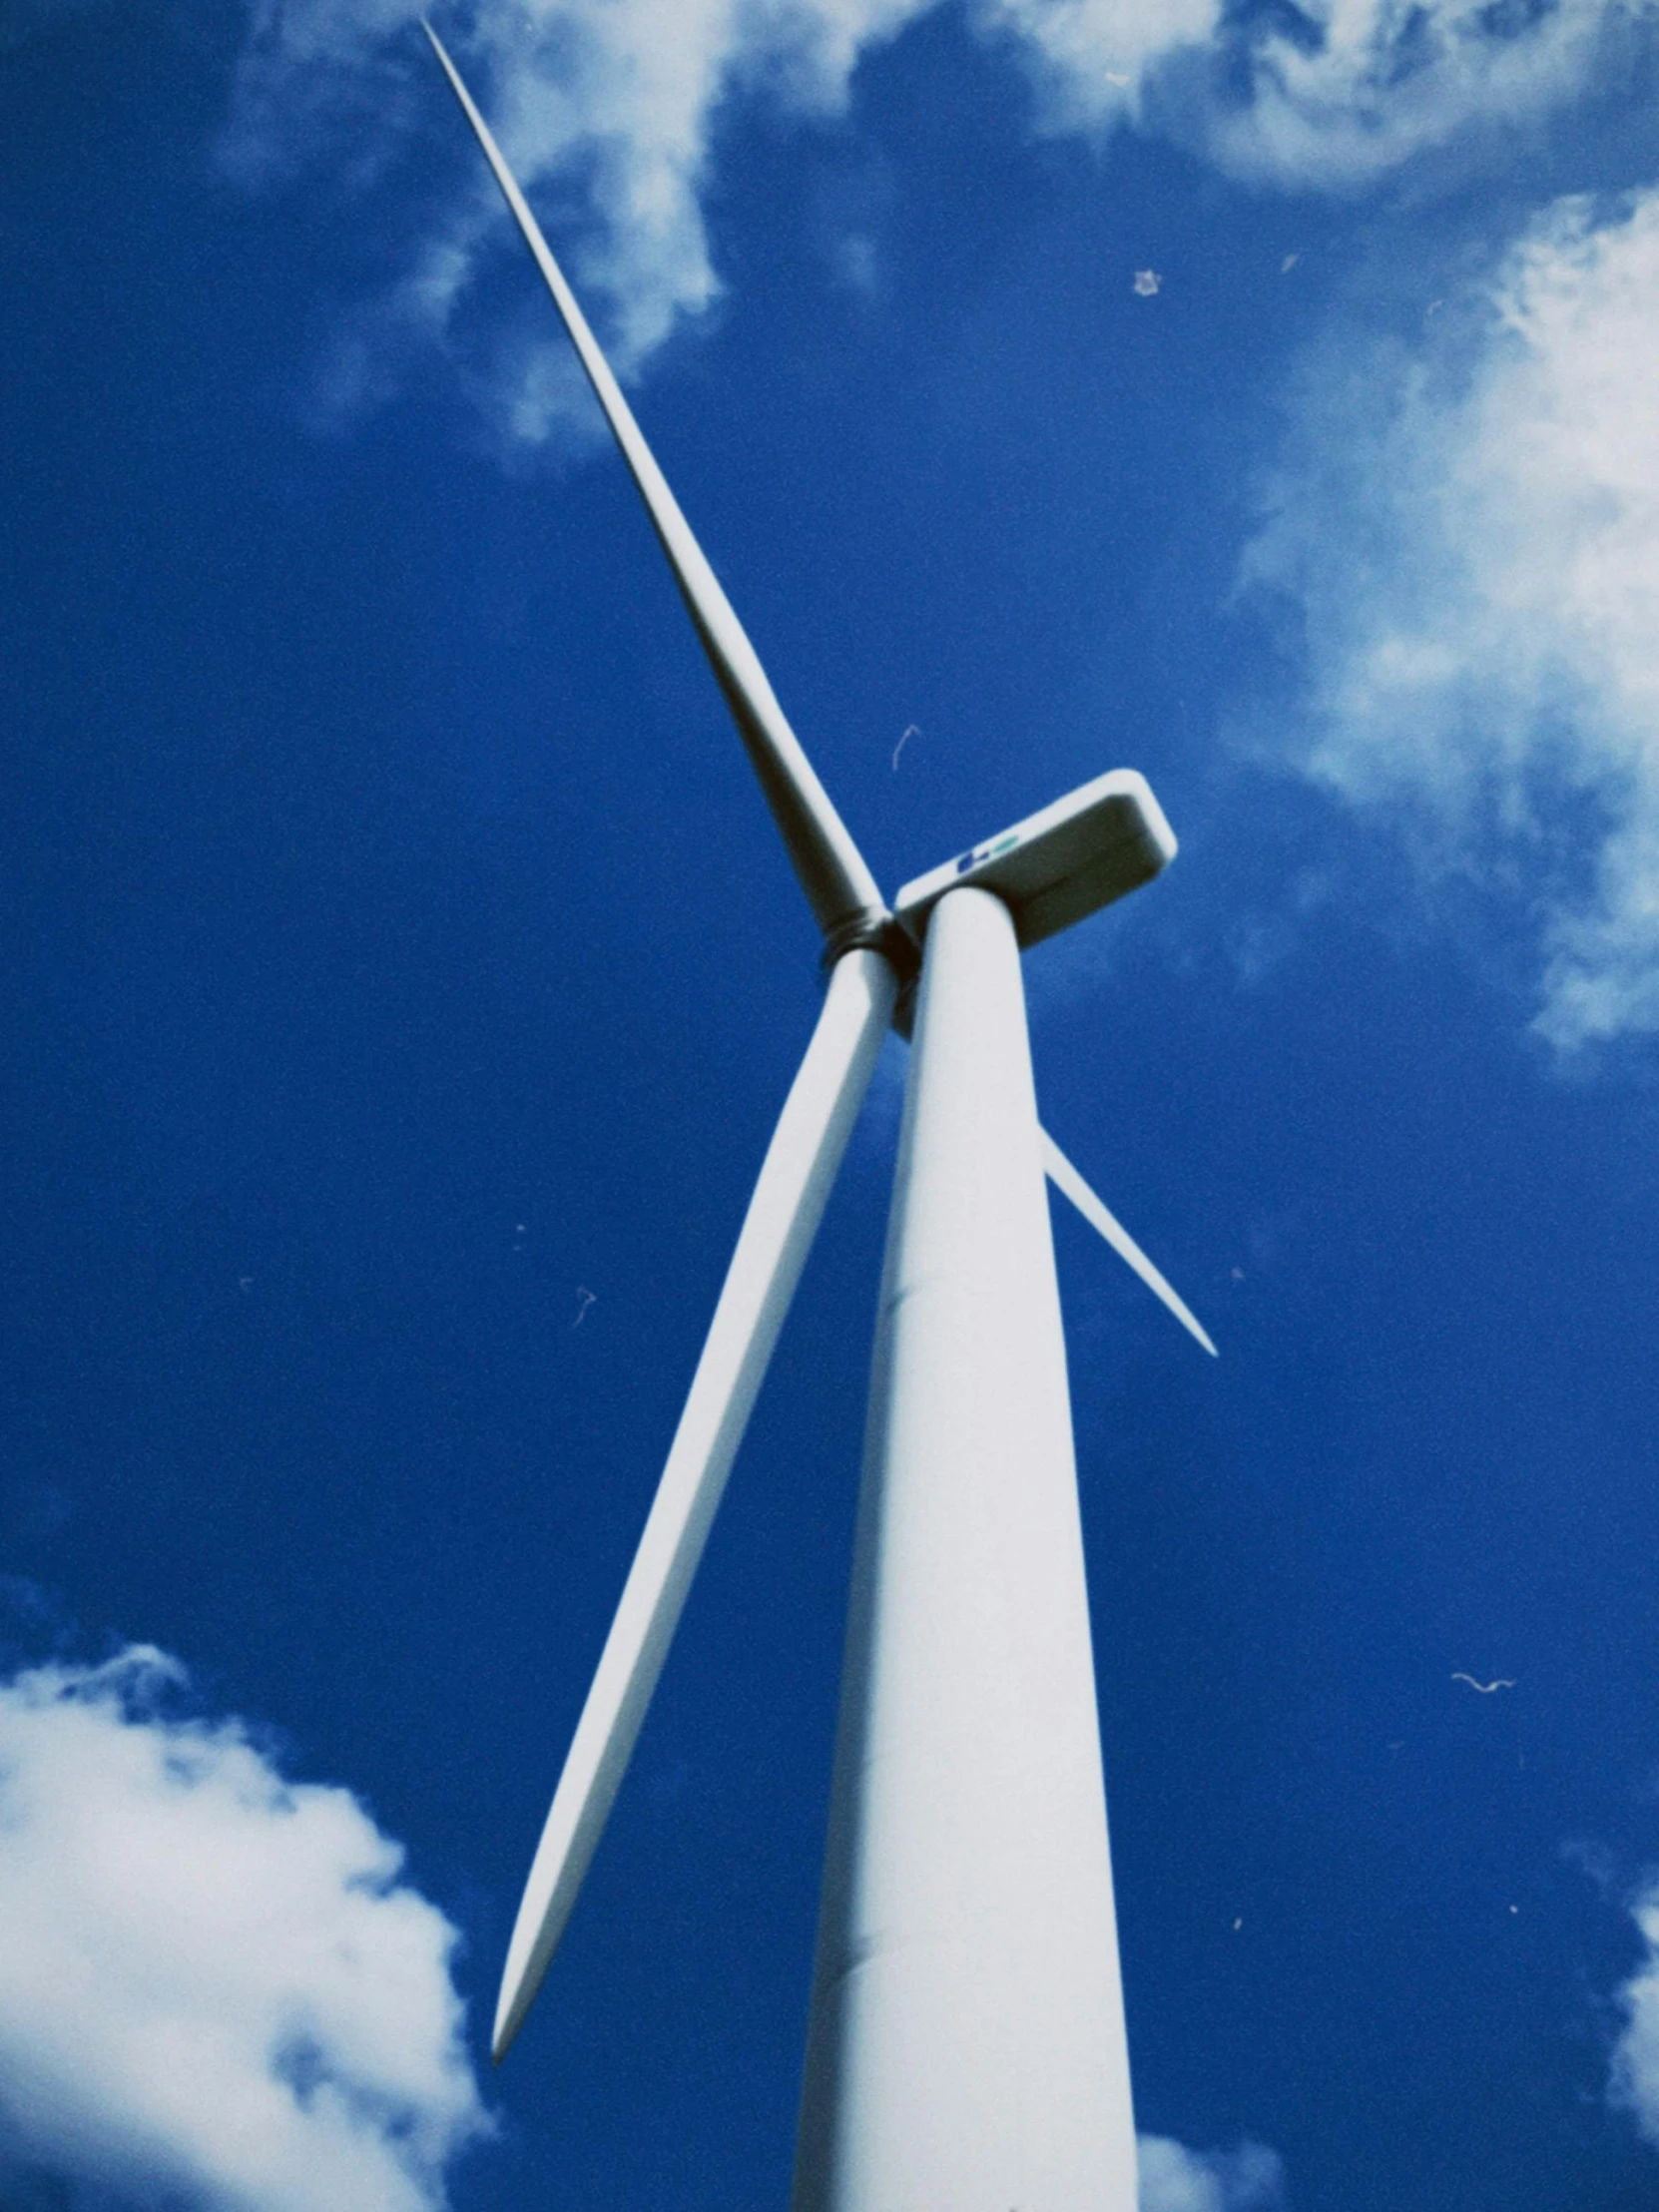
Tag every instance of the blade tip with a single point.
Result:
(509, 2018)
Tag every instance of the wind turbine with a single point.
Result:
(966, 2048)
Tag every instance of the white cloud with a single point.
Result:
(1634, 2084)
(1174, 2179)
(1343, 91)
(214, 1990)
(1467, 529)
(1328, 93)
(605, 109)
(216, 1994)
(1094, 58)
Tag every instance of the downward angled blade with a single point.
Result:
(1065, 1178)
(840, 888)
(784, 1214)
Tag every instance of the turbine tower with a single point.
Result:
(966, 2049)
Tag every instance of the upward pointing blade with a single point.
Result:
(840, 888)
(777, 1230)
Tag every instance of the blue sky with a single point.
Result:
(403, 980)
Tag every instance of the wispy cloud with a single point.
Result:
(1339, 92)
(1174, 2179)
(606, 107)
(1634, 2082)
(1466, 532)
(1095, 61)
(214, 1986)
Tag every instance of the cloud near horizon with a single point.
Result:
(1465, 534)
(215, 1989)
(606, 109)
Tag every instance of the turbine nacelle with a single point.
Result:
(1079, 853)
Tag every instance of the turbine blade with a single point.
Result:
(1065, 1178)
(784, 1214)
(840, 888)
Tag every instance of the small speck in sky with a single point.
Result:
(911, 730)
(1237, 1924)
(1288, 264)
(1147, 281)
(1238, 1275)
(1113, 77)
(586, 1298)
(245, 1282)
(1498, 1682)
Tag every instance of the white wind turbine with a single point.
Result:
(966, 2051)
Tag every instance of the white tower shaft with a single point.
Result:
(967, 2050)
